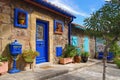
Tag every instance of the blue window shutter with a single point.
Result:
(58, 51)
(86, 44)
(75, 41)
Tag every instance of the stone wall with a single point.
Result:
(80, 34)
(92, 47)
(27, 37)
(60, 40)
(5, 24)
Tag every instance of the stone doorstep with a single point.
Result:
(42, 64)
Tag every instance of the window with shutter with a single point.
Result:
(86, 44)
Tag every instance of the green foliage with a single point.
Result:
(105, 21)
(69, 51)
(29, 55)
(85, 54)
(115, 48)
(2, 59)
(78, 53)
(117, 62)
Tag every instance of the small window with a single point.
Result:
(20, 18)
(58, 26)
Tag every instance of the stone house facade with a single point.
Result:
(38, 13)
(81, 40)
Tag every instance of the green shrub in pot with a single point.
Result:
(84, 56)
(117, 62)
(69, 51)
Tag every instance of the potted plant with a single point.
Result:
(117, 62)
(21, 18)
(84, 56)
(68, 53)
(3, 64)
(77, 57)
(29, 55)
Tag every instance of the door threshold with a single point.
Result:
(43, 64)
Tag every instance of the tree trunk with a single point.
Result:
(105, 55)
(104, 63)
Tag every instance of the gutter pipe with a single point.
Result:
(69, 31)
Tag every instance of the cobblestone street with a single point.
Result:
(91, 73)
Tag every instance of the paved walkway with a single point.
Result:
(46, 71)
(91, 73)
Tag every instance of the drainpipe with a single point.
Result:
(69, 31)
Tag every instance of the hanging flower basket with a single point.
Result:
(29, 55)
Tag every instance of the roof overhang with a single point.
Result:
(50, 7)
(78, 26)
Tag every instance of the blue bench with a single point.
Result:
(109, 57)
(100, 55)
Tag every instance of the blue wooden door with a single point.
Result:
(75, 41)
(42, 41)
(86, 44)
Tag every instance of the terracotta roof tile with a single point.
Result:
(55, 7)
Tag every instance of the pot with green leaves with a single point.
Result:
(84, 56)
(69, 52)
(77, 57)
(3, 64)
(117, 62)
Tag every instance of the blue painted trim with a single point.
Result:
(55, 21)
(58, 51)
(41, 2)
(47, 39)
(16, 11)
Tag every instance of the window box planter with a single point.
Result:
(68, 54)
(66, 60)
(56, 32)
